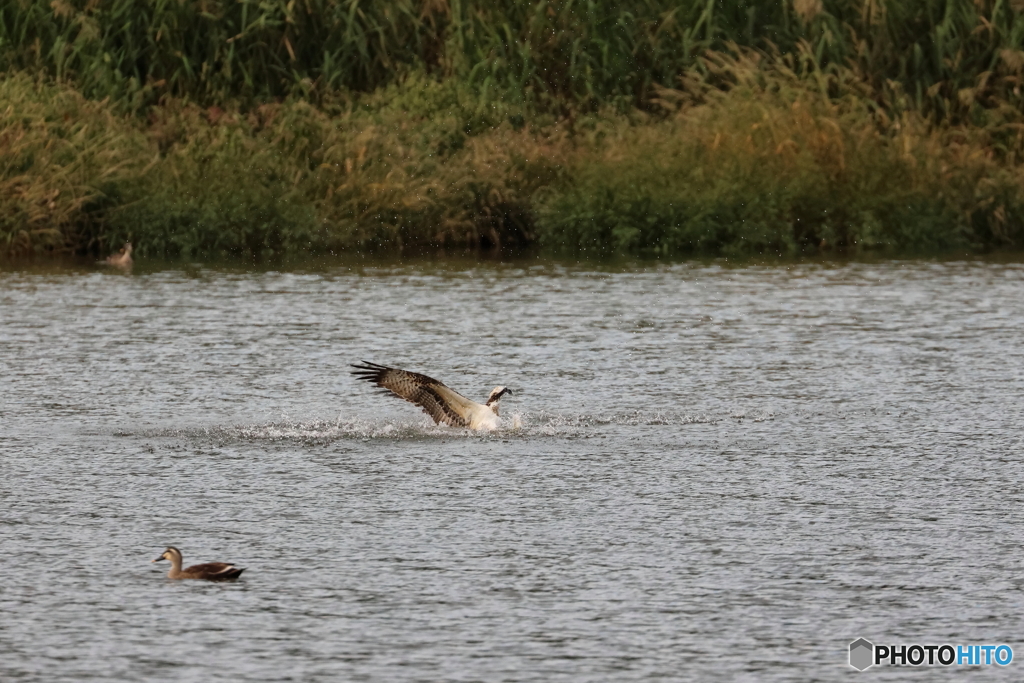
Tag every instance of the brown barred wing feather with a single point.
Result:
(433, 403)
(438, 401)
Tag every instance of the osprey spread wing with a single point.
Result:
(438, 401)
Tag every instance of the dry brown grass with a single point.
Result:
(296, 177)
(757, 158)
(58, 151)
(753, 153)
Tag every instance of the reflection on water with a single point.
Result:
(706, 472)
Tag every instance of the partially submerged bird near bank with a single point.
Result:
(438, 401)
(122, 259)
(212, 571)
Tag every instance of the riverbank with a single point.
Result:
(727, 150)
(751, 170)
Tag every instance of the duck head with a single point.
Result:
(172, 555)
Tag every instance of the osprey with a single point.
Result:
(437, 400)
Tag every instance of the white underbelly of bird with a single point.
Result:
(441, 403)
(482, 417)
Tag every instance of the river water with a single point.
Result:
(707, 473)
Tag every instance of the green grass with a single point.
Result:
(561, 53)
(773, 166)
(693, 126)
(58, 151)
(417, 164)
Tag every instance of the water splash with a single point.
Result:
(515, 425)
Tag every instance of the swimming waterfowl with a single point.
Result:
(213, 571)
(438, 401)
(123, 258)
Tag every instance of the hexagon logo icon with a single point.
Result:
(862, 654)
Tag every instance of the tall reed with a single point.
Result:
(766, 162)
(942, 56)
(663, 127)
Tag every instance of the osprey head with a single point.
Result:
(496, 394)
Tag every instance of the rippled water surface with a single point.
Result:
(707, 472)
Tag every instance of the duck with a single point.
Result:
(212, 571)
(122, 259)
(441, 403)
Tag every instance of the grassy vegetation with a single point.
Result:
(712, 126)
(773, 165)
